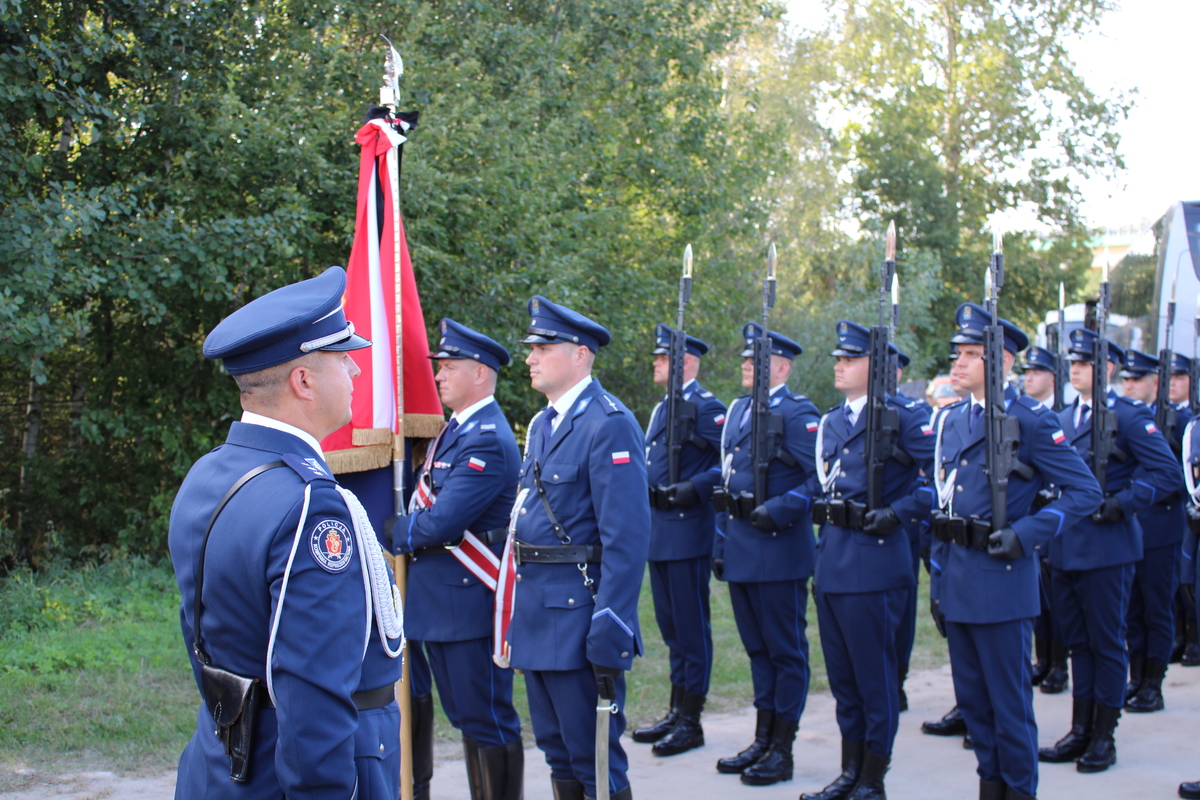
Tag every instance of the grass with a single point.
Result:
(95, 671)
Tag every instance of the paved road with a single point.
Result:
(1156, 752)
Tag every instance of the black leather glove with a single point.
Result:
(1004, 545)
(760, 518)
(1109, 511)
(683, 494)
(606, 681)
(939, 619)
(881, 521)
(719, 568)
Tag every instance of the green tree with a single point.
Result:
(959, 109)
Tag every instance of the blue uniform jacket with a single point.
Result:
(1090, 545)
(751, 555)
(679, 533)
(324, 650)
(595, 482)
(1163, 523)
(972, 586)
(1191, 462)
(851, 561)
(474, 478)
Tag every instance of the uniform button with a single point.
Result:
(652, 444)
(625, 655)
(647, 462)
(518, 577)
(737, 449)
(733, 472)
(846, 451)
(466, 581)
(522, 512)
(381, 748)
(958, 488)
(963, 463)
(1009, 567)
(570, 601)
(681, 515)
(881, 541)
(555, 477)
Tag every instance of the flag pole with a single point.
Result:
(389, 95)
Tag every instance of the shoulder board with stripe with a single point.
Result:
(610, 405)
(309, 469)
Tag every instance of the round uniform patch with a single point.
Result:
(331, 545)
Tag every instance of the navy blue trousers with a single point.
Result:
(1091, 605)
(858, 637)
(419, 675)
(681, 608)
(562, 708)
(770, 620)
(906, 630)
(475, 693)
(1151, 615)
(992, 685)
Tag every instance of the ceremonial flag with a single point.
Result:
(396, 394)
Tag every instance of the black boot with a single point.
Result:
(991, 790)
(1013, 794)
(1191, 650)
(870, 780)
(474, 768)
(624, 794)
(952, 724)
(968, 744)
(735, 765)
(503, 769)
(687, 734)
(1102, 750)
(1041, 658)
(657, 730)
(1190, 790)
(1137, 666)
(775, 764)
(843, 785)
(422, 746)
(1073, 745)
(1056, 679)
(1149, 697)
(566, 790)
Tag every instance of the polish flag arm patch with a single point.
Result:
(719, 419)
(1151, 427)
(476, 464)
(927, 430)
(1058, 436)
(812, 426)
(621, 457)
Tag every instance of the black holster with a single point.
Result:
(660, 498)
(842, 513)
(233, 702)
(720, 499)
(972, 533)
(741, 505)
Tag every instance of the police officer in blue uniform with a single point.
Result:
(1050, 653)
(283, 595)
(906, 631)
(1151, 618)
(581, 528)
(985, 580)
(1092, 561)
(1189, 578)
(766, 554)
(1186, 649)
(682, 527)
(468, 484)
(864, 570)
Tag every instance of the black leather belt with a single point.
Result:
(556, 553)
(738, 506)
(363, 701)
(973, 532)
(495, 536)
(660, 498)
(843, 513)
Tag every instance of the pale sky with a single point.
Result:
(1148, 45)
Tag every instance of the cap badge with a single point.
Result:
(535, 305)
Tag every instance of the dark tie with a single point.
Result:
(547, 426)
(745, 417)
(1084, 411)
(848, 414)
(976, 415)
(451, 427)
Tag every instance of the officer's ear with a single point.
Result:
(1009, 358)
(1111, 366)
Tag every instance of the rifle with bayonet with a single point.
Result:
(1104, 419)
(681, 413)
(764, 426)
(1002, 431)
(1164, 409)
(882, 424)
(1062, 374)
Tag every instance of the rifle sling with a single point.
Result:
(559, 530)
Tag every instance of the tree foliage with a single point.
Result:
(959, 109)
(164, 162)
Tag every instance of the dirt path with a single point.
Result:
(1156, 752)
